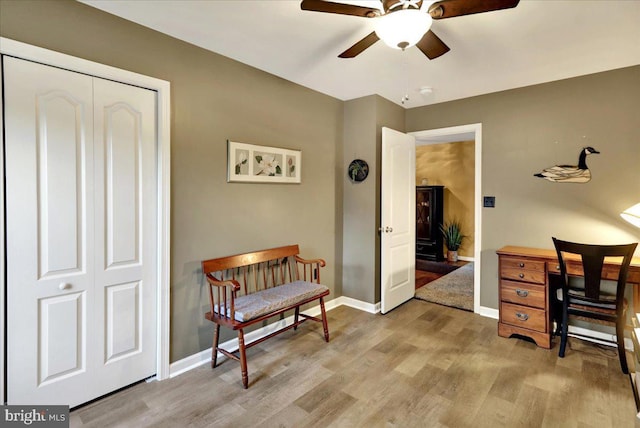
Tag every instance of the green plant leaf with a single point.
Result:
(238, 169)
(278, 170)
(452, 234)
(258, 158)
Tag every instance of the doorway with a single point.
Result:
(471, 133)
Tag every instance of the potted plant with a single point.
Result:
(453, 237)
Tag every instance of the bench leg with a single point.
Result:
(324, 320)
(214, 348)
(243, 359)
(295, 317)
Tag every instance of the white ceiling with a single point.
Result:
(538, 41)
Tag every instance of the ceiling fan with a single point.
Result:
(405, 23)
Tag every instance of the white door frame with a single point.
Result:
(464, 133)
(162, 88)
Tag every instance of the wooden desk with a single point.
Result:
(525, 295)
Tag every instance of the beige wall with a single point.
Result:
(452, 165)
(363, 122)
(359, 201)
(212, 99)
(215, 99)
(525, 130)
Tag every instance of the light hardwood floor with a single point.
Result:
(421, 365)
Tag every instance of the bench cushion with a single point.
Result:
(274, 299)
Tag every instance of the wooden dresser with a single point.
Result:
(524, 295)
(525, 289)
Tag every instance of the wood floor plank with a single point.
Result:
(420, 365)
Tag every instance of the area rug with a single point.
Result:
(455, 289)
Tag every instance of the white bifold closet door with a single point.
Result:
(81, 201)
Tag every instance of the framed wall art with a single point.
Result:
(249, 163)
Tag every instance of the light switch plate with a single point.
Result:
(489, 202)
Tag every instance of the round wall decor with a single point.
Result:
(358, 170)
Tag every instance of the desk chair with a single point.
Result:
(591, 301)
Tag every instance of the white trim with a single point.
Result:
(204, 357)
(466, 259)
(2, 243)
(489, 312)
(598, 337)
(579, 332)
(162, 88)
(358, 304)
(465, 132)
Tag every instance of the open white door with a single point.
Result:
(398, 222)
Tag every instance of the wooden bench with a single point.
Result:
(249, 288)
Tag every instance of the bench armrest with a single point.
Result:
(321, 262)
(229, 282)
(224, 296)
(312, 266)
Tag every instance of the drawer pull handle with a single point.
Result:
(521, 316)
(522, 293)
(557, 267)
(521, 264)
(521, 275)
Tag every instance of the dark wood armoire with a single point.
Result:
(429, 217)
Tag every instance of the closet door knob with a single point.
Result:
(64, 286)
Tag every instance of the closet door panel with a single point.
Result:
(125, 133)
(122, 145)
(49, 203)
(61, 181)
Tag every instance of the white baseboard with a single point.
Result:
(359, 304)
(580, 332)
(203, 357)
(598, 337)
(466, 258)
(489, 312)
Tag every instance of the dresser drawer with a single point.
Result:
(523, 270)
(523, 294)
(517, 274)
(425, 246)
(608, 272)
(523, 316)
(516, 263)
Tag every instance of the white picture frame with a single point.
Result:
(250, 163)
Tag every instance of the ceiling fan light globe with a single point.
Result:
(403, 28)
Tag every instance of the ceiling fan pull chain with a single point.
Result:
(405, 98)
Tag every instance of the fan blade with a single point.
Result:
(450, 8)
(360, 46)
(432, 46)
(339, 8)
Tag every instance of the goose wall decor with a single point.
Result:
(570, 173)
